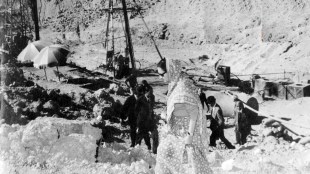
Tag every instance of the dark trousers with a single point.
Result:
(241, 135)
(155, 140)
(143, 134)
(133, 135)
(219, 134)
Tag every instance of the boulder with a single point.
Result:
(228, 165)
(36, 107)
(215, 158)
(97, 110)
(75, 147)
(304, 140)
(51, 106)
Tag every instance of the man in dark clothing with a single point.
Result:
(242, 126)
(142, 110)
(153, 123)
(131, 82)
(146, 87)
(128, 111)
(217, 123)
(203, 99)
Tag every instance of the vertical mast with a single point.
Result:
(127, 30)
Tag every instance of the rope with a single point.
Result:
(152, 38)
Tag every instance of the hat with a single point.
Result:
(211, 99)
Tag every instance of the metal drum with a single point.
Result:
(227, 104)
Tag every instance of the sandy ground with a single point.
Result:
(274, 158)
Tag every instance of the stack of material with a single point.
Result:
(297, 91)
(281, 89)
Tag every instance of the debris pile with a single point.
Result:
(58, 143)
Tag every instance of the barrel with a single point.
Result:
(161, 67)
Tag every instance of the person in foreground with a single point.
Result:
(184, 144)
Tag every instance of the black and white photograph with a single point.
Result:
(155, 86)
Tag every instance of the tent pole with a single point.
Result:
(45, 73)
(58, 73)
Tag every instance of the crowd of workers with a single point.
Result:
(138, 113)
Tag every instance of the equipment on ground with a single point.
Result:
(223, 74)
(116, 63)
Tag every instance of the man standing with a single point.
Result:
(128, 111)
(203, 99)
(142, 110)
(146, 87)
(131, 82)
(217, 123)
(153, 122)
(242, 126)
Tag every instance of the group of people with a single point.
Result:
(215, 116)
(138, 110)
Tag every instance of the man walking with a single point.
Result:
(217, 123)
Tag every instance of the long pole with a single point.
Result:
(127, 30)
(113, 49)
(107, 35)
(274, 118)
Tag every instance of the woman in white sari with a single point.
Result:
(184, 146)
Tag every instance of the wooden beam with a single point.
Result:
(118, 9)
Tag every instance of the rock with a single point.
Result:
(78, 98)
(77, 147)
(36, 107)
(228, 165)
(304, 140)
(21, 104)
(98, 110)
(257, 151)
(271, 140)
(35, 93)
(215, 158)
(45, 135)
(51, 106)
(267, 132)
